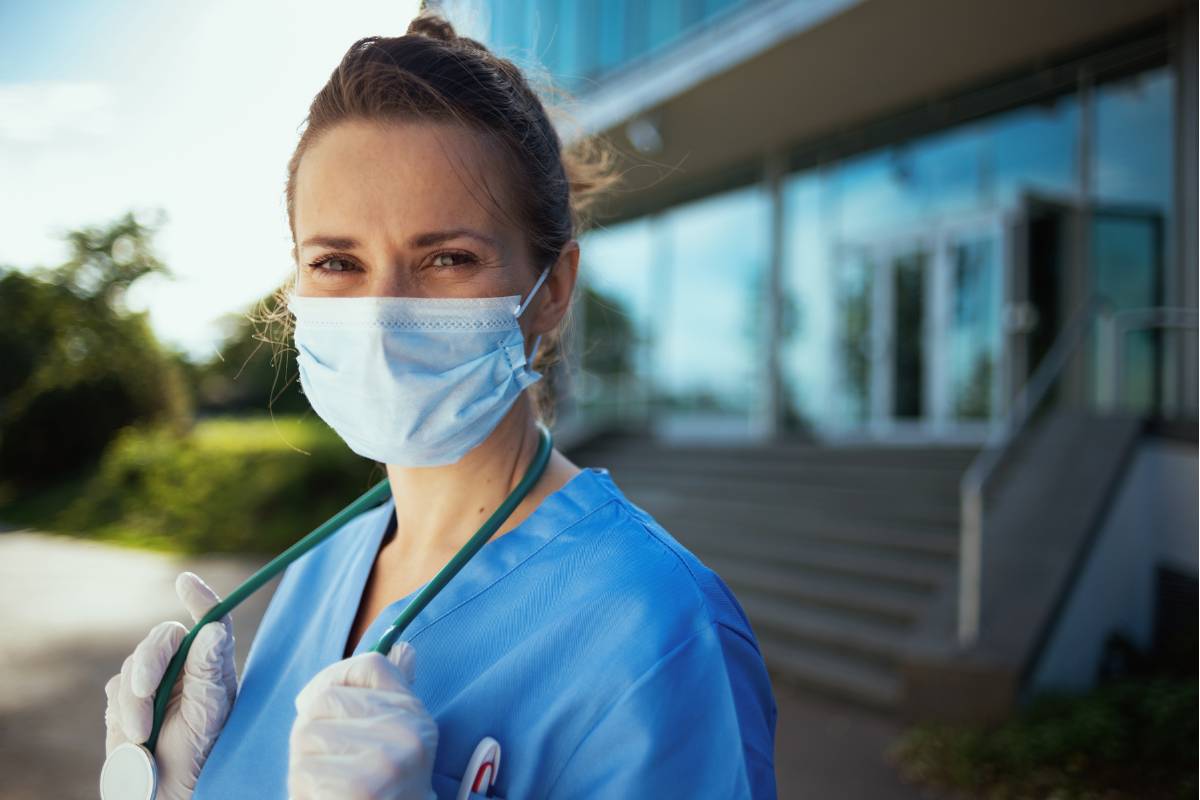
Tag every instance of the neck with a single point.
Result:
(439, 508)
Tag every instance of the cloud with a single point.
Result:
(46, 112)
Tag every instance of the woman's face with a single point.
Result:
(392, 210)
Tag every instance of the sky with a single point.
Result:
(189, 106)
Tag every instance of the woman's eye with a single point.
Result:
(447, 259)
(333, 264)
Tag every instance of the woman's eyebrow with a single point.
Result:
(437, 237)
(332, 242)
(420, 240)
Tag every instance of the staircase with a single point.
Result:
(835, 553)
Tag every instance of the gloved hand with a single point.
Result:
(361, 733)
(200, 699)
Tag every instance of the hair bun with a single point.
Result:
(432, 26)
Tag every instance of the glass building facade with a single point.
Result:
(921, 273)
(921, 280)
(581, 42)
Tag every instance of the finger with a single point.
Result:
(317, 777)
(110, 689)
(355, 703)
(197, 596)
(135, 713)
(365, 670)
(203, 680)
(403, 655)
(206, 654)
(343, 741)
(153, 654)
(113, 735)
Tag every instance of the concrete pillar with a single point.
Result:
(1185, 268)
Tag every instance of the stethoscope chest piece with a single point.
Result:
(128, 774)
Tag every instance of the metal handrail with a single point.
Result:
(1114, 326)
(1130, 319)
(975, 479)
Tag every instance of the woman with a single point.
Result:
(429, 193)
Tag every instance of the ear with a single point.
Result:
(554, 297)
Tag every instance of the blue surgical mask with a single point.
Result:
(413, 381)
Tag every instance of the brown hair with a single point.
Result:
(431, 73)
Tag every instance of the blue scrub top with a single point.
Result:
(600, 653)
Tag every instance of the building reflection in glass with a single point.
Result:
(922, 281)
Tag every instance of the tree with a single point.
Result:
(256, 369)
(75, 364)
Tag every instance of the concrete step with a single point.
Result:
(740, 471)
(783, 510)
(866, 600)
(831, 674)
(936, 545)
(902, 509)
(896, 492)
(831, 630)
(835, 553)
(952, 458)
(806, 559)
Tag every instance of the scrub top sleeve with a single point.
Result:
(677, 731)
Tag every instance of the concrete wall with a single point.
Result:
(1151, 521)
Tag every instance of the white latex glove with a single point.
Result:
(200, 699)
(361, 734)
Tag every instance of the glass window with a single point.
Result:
(569, 66)
(665, 22)
(612, 35)
(511, 28)
(853, 310)
(974, 335)
(616, 276)
(547, 36)
(709, 354)
(1133, 147)
(588, 38)
(807, 357)
(714, 7)
(637, 29)
(1132, 173)
(894, 266)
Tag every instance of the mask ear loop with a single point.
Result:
(520, 309)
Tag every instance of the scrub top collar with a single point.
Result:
(591, 488)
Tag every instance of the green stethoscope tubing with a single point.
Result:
(374, 496)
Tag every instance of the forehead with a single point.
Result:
(366, 179)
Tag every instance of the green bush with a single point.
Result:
(233, 485)
(1135, 739)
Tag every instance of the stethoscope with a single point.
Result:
(129, 772)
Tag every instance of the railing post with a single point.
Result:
(1108, 354)
(970, 561)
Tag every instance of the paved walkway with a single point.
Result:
(72, 610)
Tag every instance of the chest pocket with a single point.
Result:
(446, 788)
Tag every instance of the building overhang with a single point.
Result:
(777, 75)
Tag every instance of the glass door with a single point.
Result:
(908, 340)
(919, 347)
(967, 380)
(883, 341)
(854, 349)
